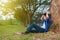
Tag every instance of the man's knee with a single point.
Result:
(33, 24)
(28, 29)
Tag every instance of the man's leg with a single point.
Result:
(36, 27)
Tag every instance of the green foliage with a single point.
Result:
(26, 14)
(27, 10)
(46, 3)
(9, 22)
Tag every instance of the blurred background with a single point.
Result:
(22, 11)
(16, 15)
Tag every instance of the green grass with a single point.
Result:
(8, 32)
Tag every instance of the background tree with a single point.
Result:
(26, 10)
(29, 7)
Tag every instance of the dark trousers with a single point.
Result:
(36, 28)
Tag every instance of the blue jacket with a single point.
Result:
(48, 22)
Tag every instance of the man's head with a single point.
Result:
(45, 15)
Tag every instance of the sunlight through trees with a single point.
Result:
(23, 10)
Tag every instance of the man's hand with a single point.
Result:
(42, 17)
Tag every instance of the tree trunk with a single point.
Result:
(55, 13)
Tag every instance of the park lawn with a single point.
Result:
(9, 28)
(8, 32)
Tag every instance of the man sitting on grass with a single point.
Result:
(34, 28)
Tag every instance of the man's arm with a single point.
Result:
(42, 17)
(42, 20)
(47, 15)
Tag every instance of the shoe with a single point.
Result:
(25, 32)
(22, 33)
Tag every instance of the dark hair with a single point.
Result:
(48, 15)
(44, 14)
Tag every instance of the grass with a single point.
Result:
(8, 32)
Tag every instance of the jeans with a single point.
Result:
(36, 28)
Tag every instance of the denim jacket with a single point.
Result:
(48, 22)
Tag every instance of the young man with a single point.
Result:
(46, 22)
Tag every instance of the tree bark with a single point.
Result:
(55, 13)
